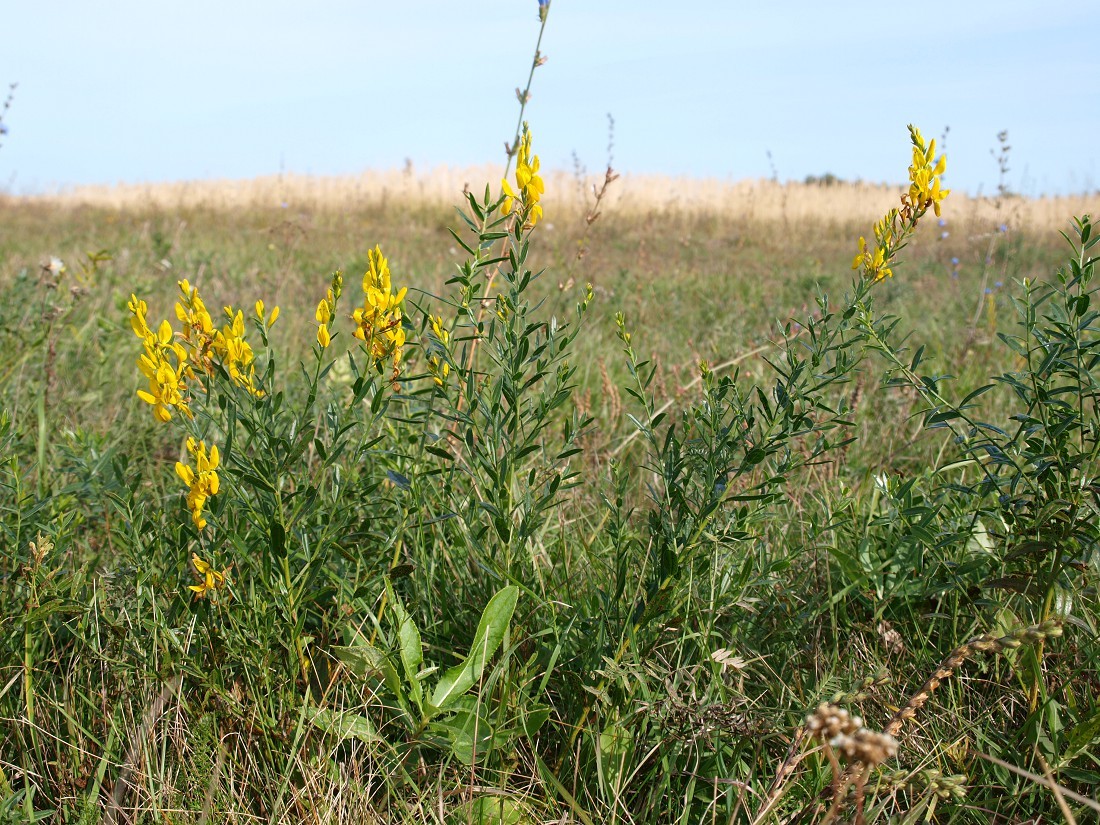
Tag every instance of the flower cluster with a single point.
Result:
(236, 353)
(925, 174)
(326, 309)
(892, 231)
(876, 264)
(528, 182)
(172, 359)
(210, 579)
(378, 321)
(198, 333)
(437, 365)
(164, 363)
(201, 480)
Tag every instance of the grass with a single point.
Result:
(666, 645)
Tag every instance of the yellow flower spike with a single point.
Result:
(274, 317)
(323, 338)
(530, 186)
(378, 320)
(202, 481)
(324, 312)
(260, 311)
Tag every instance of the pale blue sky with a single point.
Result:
(132, 91)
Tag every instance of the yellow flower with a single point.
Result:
(874, 264)
(326, 309)
(437, 365)
(163, 363)
(270, 322)
(138, 323)
(378, 321)
(528, 182)
(198, 327)
(211, 579)
(925, 173)
(897, 225)
(236, 353)
(201, 480)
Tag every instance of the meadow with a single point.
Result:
(613, 516)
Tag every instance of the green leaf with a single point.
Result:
(278, 540)
(490, 633)
(344, 725)
(364, 659)
(533, 718)
(1082, 735)
(410, 646)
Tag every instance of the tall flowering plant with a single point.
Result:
(260, 483)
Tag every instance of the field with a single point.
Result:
(634, 539)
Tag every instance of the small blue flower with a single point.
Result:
(943, 222)
(1003, 227)
(954, 262)
(999, 284)
(944, 235)
(988, 291)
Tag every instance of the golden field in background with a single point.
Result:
(570, 194)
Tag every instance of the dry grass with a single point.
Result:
(750, 200)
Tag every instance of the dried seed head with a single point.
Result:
(866, 746)
(829, 721)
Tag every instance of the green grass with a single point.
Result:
(661, 658)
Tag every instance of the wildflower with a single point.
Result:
(211, 578)
(198, 327)
(925, 174)
(164, 364)
(437, 365)
(894, 228)
(1002, 228)
(260, 315)
(378, 321)
(324, 316)
(544, 8)
(529, 183)
(236, 353)
(326, 309)
(954, 262)
(874, 264)
(56, 267)
(202, 480)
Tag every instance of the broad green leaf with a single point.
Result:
(344, 725)
(490, 633)
(410, 646)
